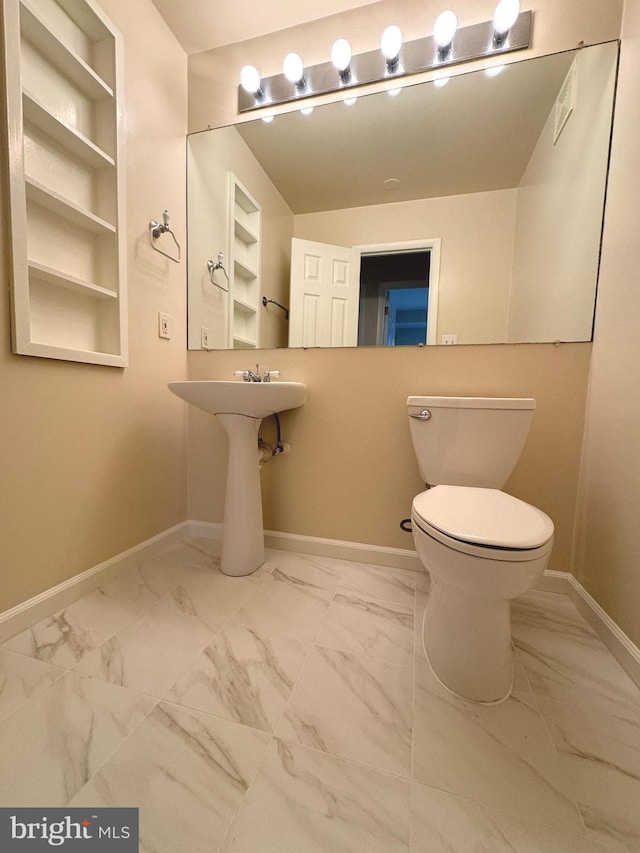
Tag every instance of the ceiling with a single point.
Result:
(476, 134)
(205, 24)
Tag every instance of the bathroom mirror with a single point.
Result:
(461, 211)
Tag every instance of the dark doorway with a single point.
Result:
(394, 297)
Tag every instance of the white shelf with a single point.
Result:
(243, 270)
(58, 311)
(245, 307)
(71, 282)
(39, 194)
(74, 142)
(67, 61)
(243, 343)
(243, 233)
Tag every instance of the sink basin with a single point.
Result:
(252, 399)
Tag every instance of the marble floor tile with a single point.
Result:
(62, 736)
(212, 596)
(134, 588)
(423, 582)
(306, 570)
(150, 653)
(242, 676)
(444, 823)
(369, 626)
(578, 669)
(380, 582)
(303, 801)
(601, 756)
(196, 551)
(70, 634)
(21, 678)
(354, 707)
(498, 755)
(420, 608)
(549, 611)
(188, 774)
(278, 607)
(163, 576)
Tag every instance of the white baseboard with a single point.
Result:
(553, 581)
(51, 600)
(620, 646)
(377, 555)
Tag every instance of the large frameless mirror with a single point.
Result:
(463, 211)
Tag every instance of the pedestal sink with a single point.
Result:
(240, 407)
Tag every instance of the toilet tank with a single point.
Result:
(469, 441)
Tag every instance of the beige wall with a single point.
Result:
(475, 255)
(94, 458)
(352, 474)
(559, 212)
(607, 561)
(211, 157)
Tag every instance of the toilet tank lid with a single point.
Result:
(484, 517)
(473, 402)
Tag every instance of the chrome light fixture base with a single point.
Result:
(476, 41)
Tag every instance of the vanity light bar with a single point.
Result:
(476, 41)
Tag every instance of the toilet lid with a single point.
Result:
(486, 517)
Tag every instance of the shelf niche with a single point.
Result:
(245, 230)
(63, 62)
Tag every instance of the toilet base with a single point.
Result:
(467, 643)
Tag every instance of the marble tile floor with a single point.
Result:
(293, 712)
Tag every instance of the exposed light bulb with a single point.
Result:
(306, 111)
(441, 81)
(293, 69)
(390, 44)
(349, 102)
(341, 56)
(445, 29)
(505, 16)
(250, 80)
(267, 119)
(393, 93)
(494, 70)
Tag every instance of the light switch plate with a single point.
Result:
(163, 325)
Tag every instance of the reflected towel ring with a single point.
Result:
(212, 267)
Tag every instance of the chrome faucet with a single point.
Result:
(250, 376)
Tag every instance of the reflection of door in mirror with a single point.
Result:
(325, 282)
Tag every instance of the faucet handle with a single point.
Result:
(243, 373)
(269, 373)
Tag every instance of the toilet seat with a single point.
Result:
(481, 522)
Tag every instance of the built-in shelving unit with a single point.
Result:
(63, 62)
(245, 218)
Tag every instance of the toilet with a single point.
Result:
(481, 546)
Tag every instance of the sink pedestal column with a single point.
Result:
(243, 536)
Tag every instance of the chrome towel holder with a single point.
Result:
(156, 230)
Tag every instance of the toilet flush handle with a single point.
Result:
(424, 415)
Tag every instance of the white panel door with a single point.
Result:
(325, 288)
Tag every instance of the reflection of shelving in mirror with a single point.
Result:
(245, 222)
(64, 70)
